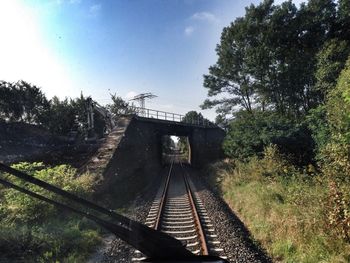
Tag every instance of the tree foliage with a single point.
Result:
(267, 59)
(330, 61)
(168, 145)
(335, 154)
(38, 232)
(195, 117)
(119, 106)
(22, 101)
(249, 134)
(275, 67)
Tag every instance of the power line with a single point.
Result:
(141, 98)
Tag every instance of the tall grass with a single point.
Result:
(33, 231)
(284, 208)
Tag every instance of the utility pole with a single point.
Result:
(141, 98)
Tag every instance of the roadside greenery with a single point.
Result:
(282, 86)
(25, 102)
(33, 230)
(284, 207)
(120, 106)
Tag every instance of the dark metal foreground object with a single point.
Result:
(149, 241)
(157, 246)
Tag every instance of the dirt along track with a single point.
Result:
(186, 209)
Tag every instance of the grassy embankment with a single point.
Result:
(284, 208)
(32, 230)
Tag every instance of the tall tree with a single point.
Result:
(22, 101)
(266, 59)
(195, 118)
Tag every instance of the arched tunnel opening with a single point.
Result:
(175, 148)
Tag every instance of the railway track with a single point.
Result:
(178, 211)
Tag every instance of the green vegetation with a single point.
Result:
(190, 117)
(281, 86)
(36, 231)
(24, 102)
(168, 145)
(119, 106)
(285, 208)
(194, 117)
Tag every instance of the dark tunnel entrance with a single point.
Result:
(175, 148)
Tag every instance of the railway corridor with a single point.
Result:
(178, 211)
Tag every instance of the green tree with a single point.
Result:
(22, 101)
(167, 144)
(33, 101)
(266, 59)
(61, 116)
(248, 135)
(335, 154)
(119, 106)
(330, 61)
(195, 118)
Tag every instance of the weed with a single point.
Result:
(285, 208)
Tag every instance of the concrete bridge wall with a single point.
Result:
(205, 143)
(135, 160)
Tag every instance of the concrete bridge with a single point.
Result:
(205, 142)
(133, 151)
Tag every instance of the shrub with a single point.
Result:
(36, 231)
(23, 208)
(336, 157)
(285, 208)
(249, 134)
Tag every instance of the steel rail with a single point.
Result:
(163, 199)
(202, 239)
(197, 221)
(151, 242)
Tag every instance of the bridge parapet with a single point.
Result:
(172, 117)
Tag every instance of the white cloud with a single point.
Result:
(94, 10)
(204, 16)
(189, 30)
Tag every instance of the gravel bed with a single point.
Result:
(233, 235)
(117, 250)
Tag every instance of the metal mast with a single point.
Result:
(141, 98)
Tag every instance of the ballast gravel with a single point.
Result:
(118, 250)
(233, 235)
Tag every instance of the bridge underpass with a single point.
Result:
(204, 142)
(130, 160)
(133, 151)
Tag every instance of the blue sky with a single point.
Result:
(119, 46)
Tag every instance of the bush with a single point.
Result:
(317, 122)
(248, 134)
(285, 208)
(21, 208)
(50, 242)
(34, 230)
(335, 155)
